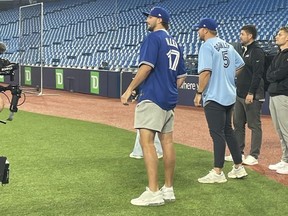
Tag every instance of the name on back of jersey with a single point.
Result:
(171, 42)
(221, 45)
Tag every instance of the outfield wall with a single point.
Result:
(98, 82)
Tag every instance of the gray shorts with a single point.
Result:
(150, 116)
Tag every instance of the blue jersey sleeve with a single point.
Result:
(149, 51)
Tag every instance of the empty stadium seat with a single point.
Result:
(86, 32)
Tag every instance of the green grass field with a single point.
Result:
(61, 166)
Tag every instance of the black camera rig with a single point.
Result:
(8, 69)
(4, 170)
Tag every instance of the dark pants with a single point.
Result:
(250, 114)
(219, 122)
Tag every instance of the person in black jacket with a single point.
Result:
(250, 95)
(277, 75)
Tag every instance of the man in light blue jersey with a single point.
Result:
(217, 68)
(161, 71)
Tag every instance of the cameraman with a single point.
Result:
(3, 62)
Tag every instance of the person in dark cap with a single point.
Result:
(159, 12)
(218, 63)
(161, 71)
(2, 48)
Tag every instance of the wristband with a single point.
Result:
(197, 92)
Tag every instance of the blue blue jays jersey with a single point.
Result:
(160, 51)
(222, 60)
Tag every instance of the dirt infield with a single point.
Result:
(190, 124)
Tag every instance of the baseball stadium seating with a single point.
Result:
(88, 33)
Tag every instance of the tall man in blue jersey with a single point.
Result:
(161, 71)
(217, 66)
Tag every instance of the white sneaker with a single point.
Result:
(135, 156)
(250, 160)
(230, 159)
(277, 166)
(283, 170)
(168, 194)
(213, 177)
(149, 198)
(140, 156)
(159, 155)
(237, 173)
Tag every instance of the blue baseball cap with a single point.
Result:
(160, 13)
(208, 23)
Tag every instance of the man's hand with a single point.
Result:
(197, 100)
(125, 97)
(142, 74)
(249, 99)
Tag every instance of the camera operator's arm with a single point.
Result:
(4, 88)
